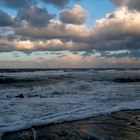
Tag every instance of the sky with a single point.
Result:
(69, 33)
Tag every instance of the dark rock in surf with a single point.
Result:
(132, 123)
(126, 80)
(20, 96)
(8, 96)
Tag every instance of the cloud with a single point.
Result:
(5, 19)
(72, 61)
(17, 3)
(16, 54)
(76, 15)
(58, 3)
(117, 31)
(28, 46)
(121, 54)
(55, 30)
(35, 16)
(130, 4)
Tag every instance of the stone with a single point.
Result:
(20, 96)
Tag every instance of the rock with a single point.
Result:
(132, 123)
(20, 96)
(8, 96)
(126, 80)
(32, 96)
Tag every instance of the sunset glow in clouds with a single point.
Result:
(69, 33)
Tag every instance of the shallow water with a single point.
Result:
(63, 95)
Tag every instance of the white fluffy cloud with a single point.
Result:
(30, 46)
(77, 15)
(117, 31)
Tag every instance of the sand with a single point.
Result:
(122, 125)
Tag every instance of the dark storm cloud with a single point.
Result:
(17, 3)
(35, 16)
(114, 43)
(26, 3)
(5, 19)
(131, 4)
(59, 3)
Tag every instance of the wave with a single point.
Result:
(39, 76)
(66, 69)
(126, 80)
(73, 115)
(7, 80)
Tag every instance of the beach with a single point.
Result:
(69, 69)
(122, 125)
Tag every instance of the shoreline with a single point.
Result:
(120, 125)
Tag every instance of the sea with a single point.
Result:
(33, 97)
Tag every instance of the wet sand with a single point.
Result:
(122, 125)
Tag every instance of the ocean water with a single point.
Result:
(57, 95)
